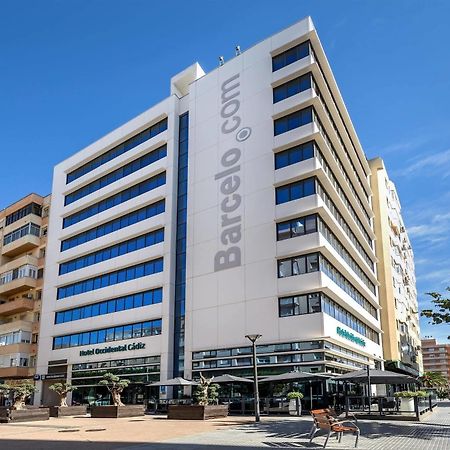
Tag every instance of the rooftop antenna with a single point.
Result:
(221, 61)
(237, 50)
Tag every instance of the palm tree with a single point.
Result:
(434, 380)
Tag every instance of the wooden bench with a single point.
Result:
(323, 420)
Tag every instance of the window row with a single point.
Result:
(319, 302)
(117, 199)
(336, 244)
(296, 190)
(299, 305)
(131, 245)
(111, 278)
(29, 228)
(32, 208)
(267, 348)
(344, 225)
(118, 150)
(345, 199)
(293, 120)
(117, 363)
(117, 174)
(296, 227)
(345, 127)
(329, 270)
(296, 53)
(15, 337)
(292, 87)
(298, 265)
(114, 225)
(346, 351)
(80, 376)
(110, 306)
(336, 311)
(294, 155)
(133, 331)
(27, 270)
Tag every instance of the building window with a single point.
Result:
(299, 304)
(298, 265)
(29, 228)
(122, 248)
(111, 278)
(32, 208)
(25, 271)
(292, 87)
(293, 120)
(118, 150)
(290, 56)
(294, 155)
(133, 331)
(117, 174)
(294, 191)
(297, 227)
(126, 302)
(117, 199)
(114, 225)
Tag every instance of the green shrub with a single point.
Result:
(410, 394)
(294, 394)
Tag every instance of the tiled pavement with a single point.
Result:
(433, 433)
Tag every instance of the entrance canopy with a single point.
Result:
(178, 381)
(376, 376)
(295, 376)
(226, 378)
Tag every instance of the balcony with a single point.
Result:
(21, 347)
(15, 372)
(17, 285)
(21, 245)
(16, 306)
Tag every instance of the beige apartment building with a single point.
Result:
(396, 274)
(436, 357)
(23, 236)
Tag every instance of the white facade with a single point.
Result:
(231, 286)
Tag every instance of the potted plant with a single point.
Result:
(206, 396)
(63, 409)
(407, 399)
(18, 411)
(295, 404)
(115, 386)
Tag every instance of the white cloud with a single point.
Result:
(437, 161)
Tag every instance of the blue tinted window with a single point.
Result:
(294, 191)
(294, 155)
(292, 121)
(289, 56)
(292, 87)
(121, 197)
(118, 150)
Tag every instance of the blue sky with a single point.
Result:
(71, 71)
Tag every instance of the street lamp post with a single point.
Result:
(253, 338)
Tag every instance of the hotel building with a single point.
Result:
(240, 204)
(396, 274)
(23, 236)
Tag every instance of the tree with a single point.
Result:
(433, 380)
(441, 312)
(19, 391)
(62, 389)
(206, 393)
(115, 386)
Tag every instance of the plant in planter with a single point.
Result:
(62, 389)
(20, 392)
(115, 386)
(206, 393)
(407, 399)
(295, 404)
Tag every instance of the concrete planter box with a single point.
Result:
(23, 415)
(64, 411)
(117, 411)
(197, 412)
(295, 409)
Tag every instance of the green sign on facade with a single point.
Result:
(117, 348)
(350, 336)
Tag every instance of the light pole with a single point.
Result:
(253, 338)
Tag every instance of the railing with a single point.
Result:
(382, 406)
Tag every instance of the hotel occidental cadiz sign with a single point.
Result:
(110, 349)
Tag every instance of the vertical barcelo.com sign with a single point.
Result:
(230, 178)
